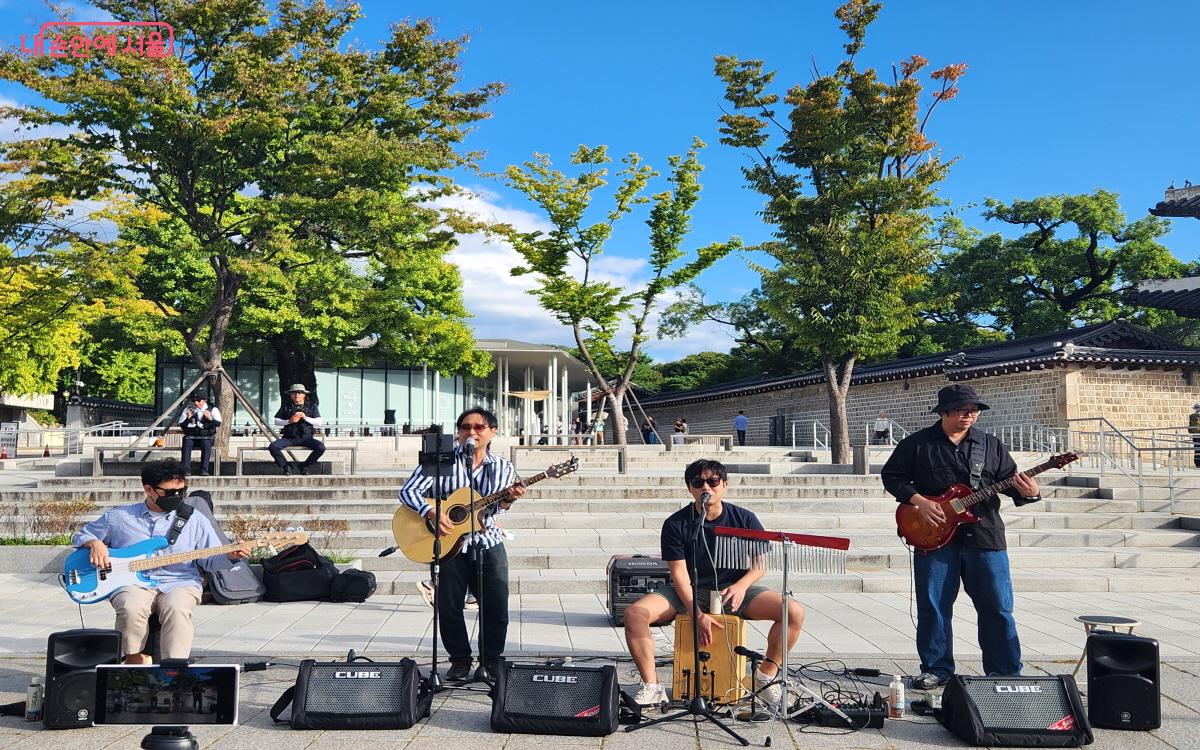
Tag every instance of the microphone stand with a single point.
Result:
(434, 681)
(698, 707)
(482, 674)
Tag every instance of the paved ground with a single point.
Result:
(863, 630)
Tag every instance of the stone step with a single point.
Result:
(858, 558)
(593, 581)
(641, 537)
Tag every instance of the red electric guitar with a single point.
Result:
(956, 503)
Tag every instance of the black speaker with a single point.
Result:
(71, 659)
(1123, 681)
(358, 694)
(1015, 711)
(532, 699)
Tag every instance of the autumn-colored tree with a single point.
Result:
(848, 187)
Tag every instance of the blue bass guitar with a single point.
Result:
(131, 566)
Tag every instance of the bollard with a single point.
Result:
(862, 459)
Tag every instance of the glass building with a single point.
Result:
(528, 382)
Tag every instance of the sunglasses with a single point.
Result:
(965, 412)
(173, 492)
(712, 482)
(474, 427)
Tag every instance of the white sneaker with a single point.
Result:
(768, 695)
(651, 694)
(426, 590)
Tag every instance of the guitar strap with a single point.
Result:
(182, 514)
(976, 466)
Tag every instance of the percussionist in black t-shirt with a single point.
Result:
(738, 593)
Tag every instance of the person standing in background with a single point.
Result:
(740, 423)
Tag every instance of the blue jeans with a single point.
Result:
(985, 576)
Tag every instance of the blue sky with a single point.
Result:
(1060, 97)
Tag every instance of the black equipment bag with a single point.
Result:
(532, 699)
(355, 694)
(228, 582)
(352, 586)
(297, 574)
(1016, 711)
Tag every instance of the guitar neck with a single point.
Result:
(980, 495)
(496, 497)
(181, 557)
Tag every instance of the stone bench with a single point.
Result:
(351, 448)
(98, 456)
(723, 442)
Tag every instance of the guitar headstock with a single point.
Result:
(563, 469)
(1062, 459)
(280, 539)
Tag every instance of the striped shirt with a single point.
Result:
(493, 475)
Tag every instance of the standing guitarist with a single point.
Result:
(178, 586)
(491, 473)
(924, 465)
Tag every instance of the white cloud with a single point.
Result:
(503, 308)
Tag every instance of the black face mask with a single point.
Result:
(171, 499)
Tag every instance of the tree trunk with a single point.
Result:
(294, 364)
(837, 385)
(616, 399)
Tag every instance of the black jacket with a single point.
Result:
(301, 430)
(927, 462)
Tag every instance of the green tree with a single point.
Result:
(263, 135)
(848, 190)
(1077, 256)
(562, 259)
(762, 347)
(695, 371)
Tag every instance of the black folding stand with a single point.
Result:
(698, 707)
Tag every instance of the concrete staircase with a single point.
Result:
(1088, 534)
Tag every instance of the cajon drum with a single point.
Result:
(722, 673)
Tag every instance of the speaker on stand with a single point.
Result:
(71, 659)
(1123, 681)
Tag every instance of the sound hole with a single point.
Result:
(458, 513)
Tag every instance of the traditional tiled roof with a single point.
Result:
(1101, 344)
(1180, 295)
(1181, 202)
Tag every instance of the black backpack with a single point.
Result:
(228, 582)
(352, 586)
(298, 574)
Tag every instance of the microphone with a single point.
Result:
(469, 446)
(705, 497)
(743, 651)
(387, 551)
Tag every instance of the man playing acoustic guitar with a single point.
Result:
(491, 473)
(924, 465)
(178, 586)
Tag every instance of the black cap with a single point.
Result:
(955, 397)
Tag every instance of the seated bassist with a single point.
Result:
(924, 465)
(178, 586)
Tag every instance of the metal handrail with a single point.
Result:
(817, 429)
(869, 429)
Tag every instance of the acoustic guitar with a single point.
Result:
(414, 534)
(956, 503)
(131, 566)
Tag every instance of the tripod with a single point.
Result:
(698, 707)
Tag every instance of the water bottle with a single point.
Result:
(33, 699)
(896, 698)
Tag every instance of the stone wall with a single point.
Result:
(1135, 399)
(1129, 398)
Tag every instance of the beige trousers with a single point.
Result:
(174, 609)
